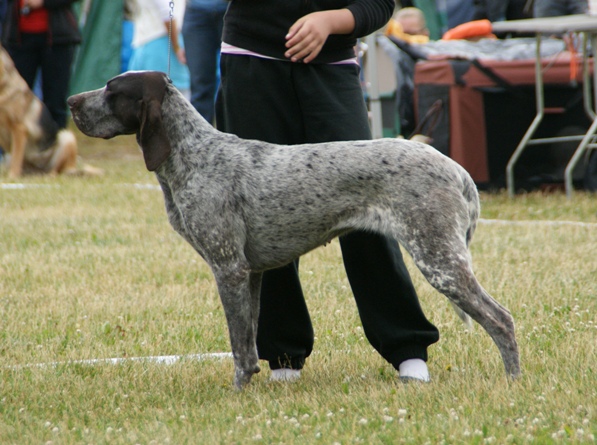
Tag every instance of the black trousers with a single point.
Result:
(288, 103)
(33, 54)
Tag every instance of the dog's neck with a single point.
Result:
(179, 117)
(178, 114)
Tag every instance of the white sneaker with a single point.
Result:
(414, 369)
(285, 375)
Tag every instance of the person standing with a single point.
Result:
(290, 76)
(154, 33)
(41, 36)
(202, 32)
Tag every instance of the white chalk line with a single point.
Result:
(537, 222)
(158, 359)
(22, 186)
(17, 186)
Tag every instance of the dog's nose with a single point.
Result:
(72, 101)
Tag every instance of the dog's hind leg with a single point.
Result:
(64, 159)
(451, 274)
(439, 247)
(239, 292)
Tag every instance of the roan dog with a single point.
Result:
(247, 206)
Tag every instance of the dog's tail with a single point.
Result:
(471, 195)
(466, 319)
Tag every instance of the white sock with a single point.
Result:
(414, 368)
(285, 375)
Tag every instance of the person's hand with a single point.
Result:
(181, 55)
(308, 34)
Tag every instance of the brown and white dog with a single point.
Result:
(28, 132)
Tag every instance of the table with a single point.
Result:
(463, 130)
(585, 25)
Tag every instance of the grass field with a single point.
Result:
(90, 269)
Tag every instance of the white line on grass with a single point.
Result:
(159, 359)
(537, 222)
(18, 186)
(21, 186)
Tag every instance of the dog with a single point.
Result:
(28, 132)
(247, 206)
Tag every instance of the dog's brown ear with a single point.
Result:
(152, 137)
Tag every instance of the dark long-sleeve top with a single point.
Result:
(261, 25)
(64, 28)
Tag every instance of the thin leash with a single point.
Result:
(171, 4)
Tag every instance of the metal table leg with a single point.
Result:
(540, 104)
(587, 139)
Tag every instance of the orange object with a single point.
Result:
(394, 29)
(573, 57)
(470, 30)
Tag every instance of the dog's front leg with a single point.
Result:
(17, 146)
(239, 288)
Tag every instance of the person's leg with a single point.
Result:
(55, 76)
(27, 57)
(202, 33)
(387, 301)
(285, 333)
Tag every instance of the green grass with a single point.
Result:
(90, 268)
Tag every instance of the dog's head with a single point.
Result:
(130, 103)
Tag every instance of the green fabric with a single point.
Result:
(98, 56)
(436, 20)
